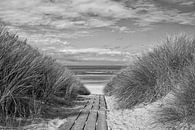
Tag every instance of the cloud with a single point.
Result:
(76, 14)
(97, 51)
(99, 23)
(61, 15)
(43, 38)
(171, 16)
(188, 3)
(48, 24)
(122, 29)
(94, 56)
(103, 8)
(148, 13)
(183, 2)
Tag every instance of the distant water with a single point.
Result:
(95, 88)
(95, 77)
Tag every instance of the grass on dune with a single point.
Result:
(150, 76)
(110, 86)
(166, 70)
(28, 79)
(179, 111)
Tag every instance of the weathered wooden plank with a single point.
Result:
(102, 103)
(71, 120)
(101, 121)
(70, 123)
(96, 103)
(80, 122)
(92, 117)
(91, 122)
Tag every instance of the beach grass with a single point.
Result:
(150, 76)
(167, 69)
(179, 110)
(30, 80)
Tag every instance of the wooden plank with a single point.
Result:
(101, 121)
(72, 119)
(102, 103)
(70, 123)
(91, 122)
(97, 102)
(80, 122)
(92, 117)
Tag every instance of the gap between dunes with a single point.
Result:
(95, 88)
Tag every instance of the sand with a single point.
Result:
(139, 118)
(52, 124)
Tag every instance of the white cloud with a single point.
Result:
(103, 59)
(183, 2)
(61, 14)
(147, 15)
(89, 13)
(122, 29)
(88, 54)
(51, 24)
(99, 51)
(188, 3)
(60, 24)
(103, 8)
(99, 23)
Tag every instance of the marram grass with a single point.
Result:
(150, 76)
(168, 68)
(28, 79)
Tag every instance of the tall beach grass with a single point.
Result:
(150, 76)
(179, 109)
(166, 71)
(29, 79)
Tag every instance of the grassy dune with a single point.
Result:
(30, 82)
(179, 110)
(166, 69)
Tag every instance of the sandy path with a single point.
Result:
(139, 118)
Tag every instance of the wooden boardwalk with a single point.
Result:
(91, 117)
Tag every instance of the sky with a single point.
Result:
(97, 32)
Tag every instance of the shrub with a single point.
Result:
(150, 76)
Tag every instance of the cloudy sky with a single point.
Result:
(97, 31)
